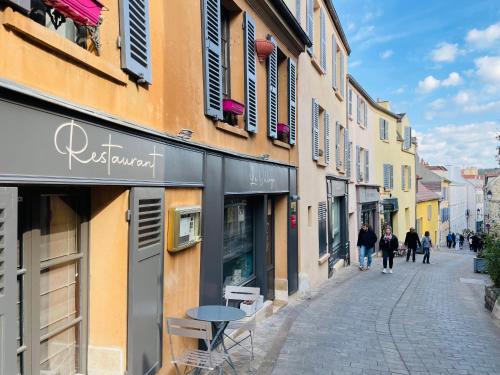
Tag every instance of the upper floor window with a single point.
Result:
(384, 129)
(320, 134)
(225, 54)
(362, 112)
(362, 164)
(349, 102)
(388, 177)
(406, 178)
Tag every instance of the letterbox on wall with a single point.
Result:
(184, 227)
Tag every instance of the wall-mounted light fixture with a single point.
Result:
(185, 134)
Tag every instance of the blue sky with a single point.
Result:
(438, 61)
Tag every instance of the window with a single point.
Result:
(340, 145)
(429, 212)
(52, 275)
(349, 101)
(405, 178)
(320, 134)
(384, 129)
(239, 250)
(225, 55)
(362, 112)
(362, 164)
(322, 32)
(407, 138)
(310, 24)
(322, 228)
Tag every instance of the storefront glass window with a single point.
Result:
(238, 242)
(335, 221)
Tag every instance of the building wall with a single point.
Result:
(41, 59)
(432, 224)
(444, 226)
(390, 152)
(312, 83)
(458, 207)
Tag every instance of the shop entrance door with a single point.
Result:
(270, 257)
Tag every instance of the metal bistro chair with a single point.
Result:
(248, 324)
(199, 359)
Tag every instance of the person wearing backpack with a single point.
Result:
(426, 245)
(388, 244)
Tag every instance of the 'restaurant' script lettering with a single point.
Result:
(261, 178)
(71, 139)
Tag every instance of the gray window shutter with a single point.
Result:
(407, 138)
(342, 78)
(349, 153)
(135, 46)
(297, 10)
(250, 75)
(382, 128)
(145, 283)
(212, 58)
(315, 130)
(403, 187)
(334, 62)
(292, 100)
(391, 173)
(322, 229)
(347, 166)
(327, 137)
(310, 22)
(387, 177)
(337, 145)
(409, 177)
(358, 107)
(367, 166)
(272, 91)
(366, 114)
(20, 5)
(8, 280)
(386, 129)
(349, 102)
(322, 40)
(358, 164)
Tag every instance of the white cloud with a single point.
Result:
(437, 104)
(399, 91)
(485, 107)
(386, 54)
(430, 83)
(462, 97)
(363, 33)
(471, 144)
(488, 68)
(485, 38)
(453, 79)
(445, 52)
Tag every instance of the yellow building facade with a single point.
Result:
(428, 215)
(395, 169)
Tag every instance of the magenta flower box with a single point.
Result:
(283, 128)
(283, 132)
(82, 12)
(230, 105)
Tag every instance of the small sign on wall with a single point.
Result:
(184, 229)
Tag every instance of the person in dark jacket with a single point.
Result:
(453, 240)
(388, 244)
(411, 241)
(366, 241)
(449, 240)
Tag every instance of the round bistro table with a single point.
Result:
(220, 317)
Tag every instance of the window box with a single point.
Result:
(230, 105)
(83, 12)
(283, 132)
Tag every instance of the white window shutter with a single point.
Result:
(382, 129)
(322, 40)
(272, 91)
(391, 169)
(334, 62)
(358, 163)
(347, 166)
(327, 138)
(212, 58)
(315, 130)
(409, 177)
(310, 22)
(366, 114)
(342, 78)
(349, 101)
(367, 166)
(337, 146)
(403, 187)
(292, 100)
(358, 107)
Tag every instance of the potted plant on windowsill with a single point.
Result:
(283, 132)
(82, 12)
(231, 109)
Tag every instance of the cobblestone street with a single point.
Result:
(423, 319)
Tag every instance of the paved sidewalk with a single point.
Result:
(423, 319)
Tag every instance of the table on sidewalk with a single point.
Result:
(220, 317)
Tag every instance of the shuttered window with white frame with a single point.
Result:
(367, 166)
(341, 71)
(292, 100)
(334, 62)
(338, 161)
(249, 35)
(315, 130)
(327, 137)
(272, 91)
(322, 34)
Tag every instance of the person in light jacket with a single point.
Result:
(426, 245)
(366, 241)
(388, 244)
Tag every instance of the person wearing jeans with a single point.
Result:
(366, 241)
(426, 245)
(388, 244)
(411, 242)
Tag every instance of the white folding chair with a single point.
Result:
(198, 359)
(248, 324)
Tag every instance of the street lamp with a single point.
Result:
(489, 195)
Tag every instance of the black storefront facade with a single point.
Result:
(52, 154)
(368, 197)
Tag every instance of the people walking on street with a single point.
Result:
(453, 240)
(462, 238)
(366, 242)
(456, 242)
(474, 243)
(388, 244)
(449, 240)
(426, 245)
(411, 241)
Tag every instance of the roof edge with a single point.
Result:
(285, 12)
(338, 25)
